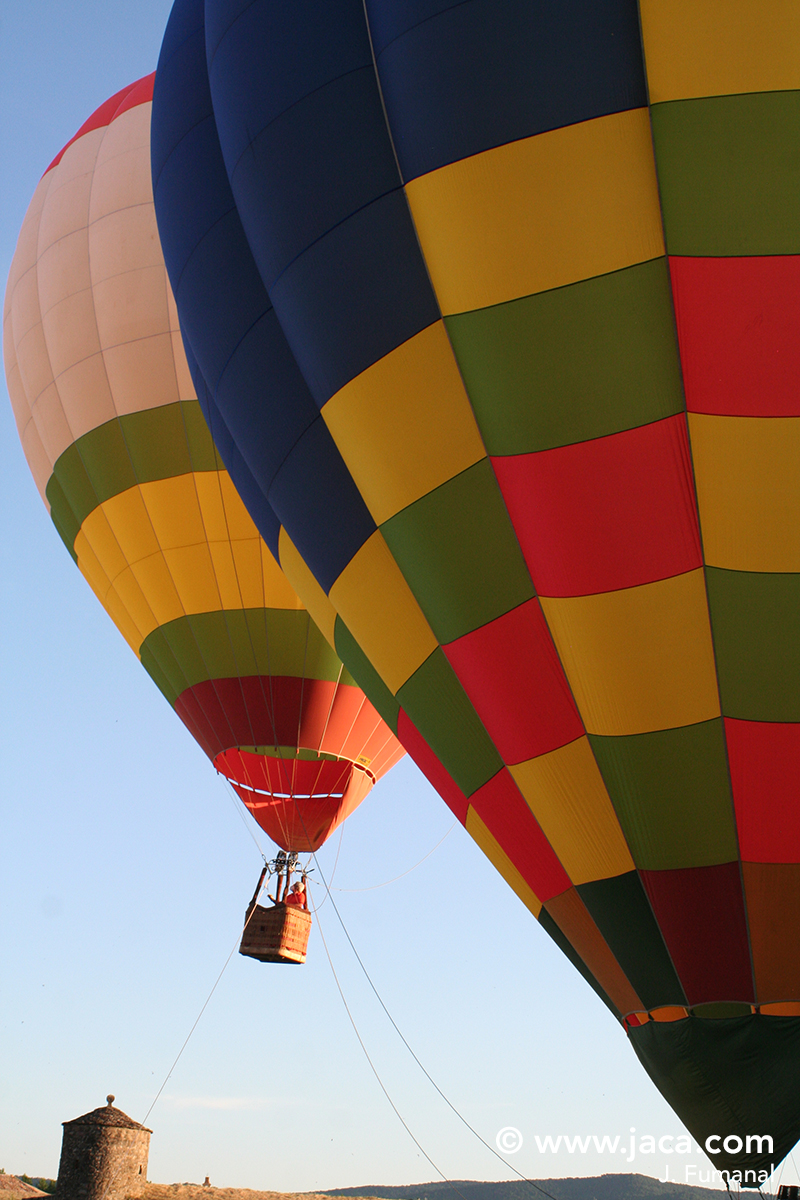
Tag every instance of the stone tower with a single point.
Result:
(103, 1156)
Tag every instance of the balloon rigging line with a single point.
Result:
(374, 887)
(397, 1030)
(199, 1015)
(374, 1069)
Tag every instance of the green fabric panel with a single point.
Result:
(671, 792)
(437, 704)
(365, 675)
(621, 911)
(571, 364)
(755, 618)
(241, 642)
(155, 654)
(158, 443)
(566, 947)
(728, 1077)
(729, 173)
(62, 516)
(459, 553)
(717, 1011)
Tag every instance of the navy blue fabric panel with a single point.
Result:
(311, 168)
(264, 398)
(469, 76)
(355, 295)
(320, 507)
(224, 308)
(265, 56)
(252, 495)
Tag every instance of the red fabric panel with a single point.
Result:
(610, 513)
(256, 711)
(105, 114)
(501, 807)
(738, 321)
(524, 699)
(764, 761)
(431, 768)
(300, 821)
(700, 911)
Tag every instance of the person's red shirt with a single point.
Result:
(297, 899)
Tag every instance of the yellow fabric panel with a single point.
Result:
(669, 1013)
(639, 659)
(173, 509)
(501, 862)
(708, 48)
(100, 584)
(378, 607)
(565, 792)
(191, 569)
(748, 490)
(541, 212)
(319, 607)
(413, 412)
(153, 577)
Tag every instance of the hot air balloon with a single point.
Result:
(537, 270)
(114, 435)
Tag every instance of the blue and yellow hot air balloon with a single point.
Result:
(528, 276)
(119, 448)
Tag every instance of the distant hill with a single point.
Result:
(596, 1187)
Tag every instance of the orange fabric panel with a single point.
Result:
(572, 917)
(772, 894)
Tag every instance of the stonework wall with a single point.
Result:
(102, 1162)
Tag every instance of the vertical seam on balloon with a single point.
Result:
(699, 521)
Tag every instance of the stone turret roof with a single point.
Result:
(107, 1115)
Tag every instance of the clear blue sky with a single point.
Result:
(126, 868)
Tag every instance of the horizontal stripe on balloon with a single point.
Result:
(540, 213)
(177, 546)
(252, 711)
(573, 363)
(639, 659)
(737, 328)
(748, 490)
(610, 513)
(254, 641)
(156, 443)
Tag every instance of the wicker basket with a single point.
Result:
(276, 934)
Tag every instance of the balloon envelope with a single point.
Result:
(119, 448)
(537, 267)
